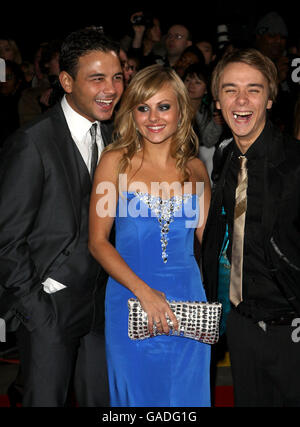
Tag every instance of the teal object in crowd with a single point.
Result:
(224, 281)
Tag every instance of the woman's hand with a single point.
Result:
(154, 303)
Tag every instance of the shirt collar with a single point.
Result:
(79, 126)
(258, 148)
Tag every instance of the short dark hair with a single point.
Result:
(82, 42)
(209, 40)
(196, 51)
(180, 24)
(200, 70)
(49, 50)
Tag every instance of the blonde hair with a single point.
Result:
(250, 57)
(144, 85)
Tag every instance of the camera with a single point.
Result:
(145, 19)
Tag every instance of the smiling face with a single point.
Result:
(157, 119)
(243, 98)
(97, 86)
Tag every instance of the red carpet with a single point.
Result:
(223, 397)
(3, 401)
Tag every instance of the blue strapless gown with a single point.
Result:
(163, 371)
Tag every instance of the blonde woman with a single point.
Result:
(151, 183)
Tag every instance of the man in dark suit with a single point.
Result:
(264, 356)
(52, 290)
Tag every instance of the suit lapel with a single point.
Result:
(66, 148)
(273, 181)
(69, 156)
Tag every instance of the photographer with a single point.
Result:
(146, 43)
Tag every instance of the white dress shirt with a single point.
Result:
(80, 130)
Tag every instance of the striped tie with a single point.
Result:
(236, 274)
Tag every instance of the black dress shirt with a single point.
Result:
(262, 300)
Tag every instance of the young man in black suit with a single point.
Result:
(52, 290)
(264, 355)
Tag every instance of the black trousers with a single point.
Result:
(67, 352)
(265, 364)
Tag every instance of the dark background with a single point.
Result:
(29, 24)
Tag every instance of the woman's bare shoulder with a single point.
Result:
(197, 168)
(107, 168)
(111, 156)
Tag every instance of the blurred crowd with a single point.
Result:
(32, 85)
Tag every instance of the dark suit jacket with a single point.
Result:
(281, 216)
(40, 203)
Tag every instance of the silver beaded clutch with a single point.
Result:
(196, 320)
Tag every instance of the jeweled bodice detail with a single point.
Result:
(164, 210)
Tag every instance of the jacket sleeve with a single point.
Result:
(21, 188)
(211, 134)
